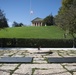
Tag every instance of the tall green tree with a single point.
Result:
(49, 20)
(66, 4)
(3, 20)
(67, 19)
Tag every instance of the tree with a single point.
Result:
(15, 24)
(20, 24)
(3, 20)
(49, 20)
(66, 4)
(67, 19)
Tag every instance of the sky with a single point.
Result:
(19, 10)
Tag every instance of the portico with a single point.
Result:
(37, 22)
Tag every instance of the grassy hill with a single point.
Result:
(51, 32)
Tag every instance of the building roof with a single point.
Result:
(37, 20)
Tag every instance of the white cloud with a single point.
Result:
(10, 24)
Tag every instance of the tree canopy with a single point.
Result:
(3, 20)
(66, 4)
(66, 17)
(15, 24)
(49, 20)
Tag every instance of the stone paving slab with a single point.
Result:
(46, 66)
(34, 55)
(7, 54)
(69, 53)
(18, 55)
(51, 56)
(41, 68)
(68, 64)
(51, 72)
(8, 66)
(27, 68)
(23, 71)
(74, 73)
(4, 73)
(71, 68)
(38, 59)
(40, 62)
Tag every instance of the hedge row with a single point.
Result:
(35, 43)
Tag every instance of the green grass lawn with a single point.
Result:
(50, 32)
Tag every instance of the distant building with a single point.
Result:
(37, 22)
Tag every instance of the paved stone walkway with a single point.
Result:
(40, 65)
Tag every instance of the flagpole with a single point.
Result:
(31, 12)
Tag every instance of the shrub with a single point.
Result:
(35, 43)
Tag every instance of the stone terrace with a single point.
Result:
(39, 66)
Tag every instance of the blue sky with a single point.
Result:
(19, 10)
